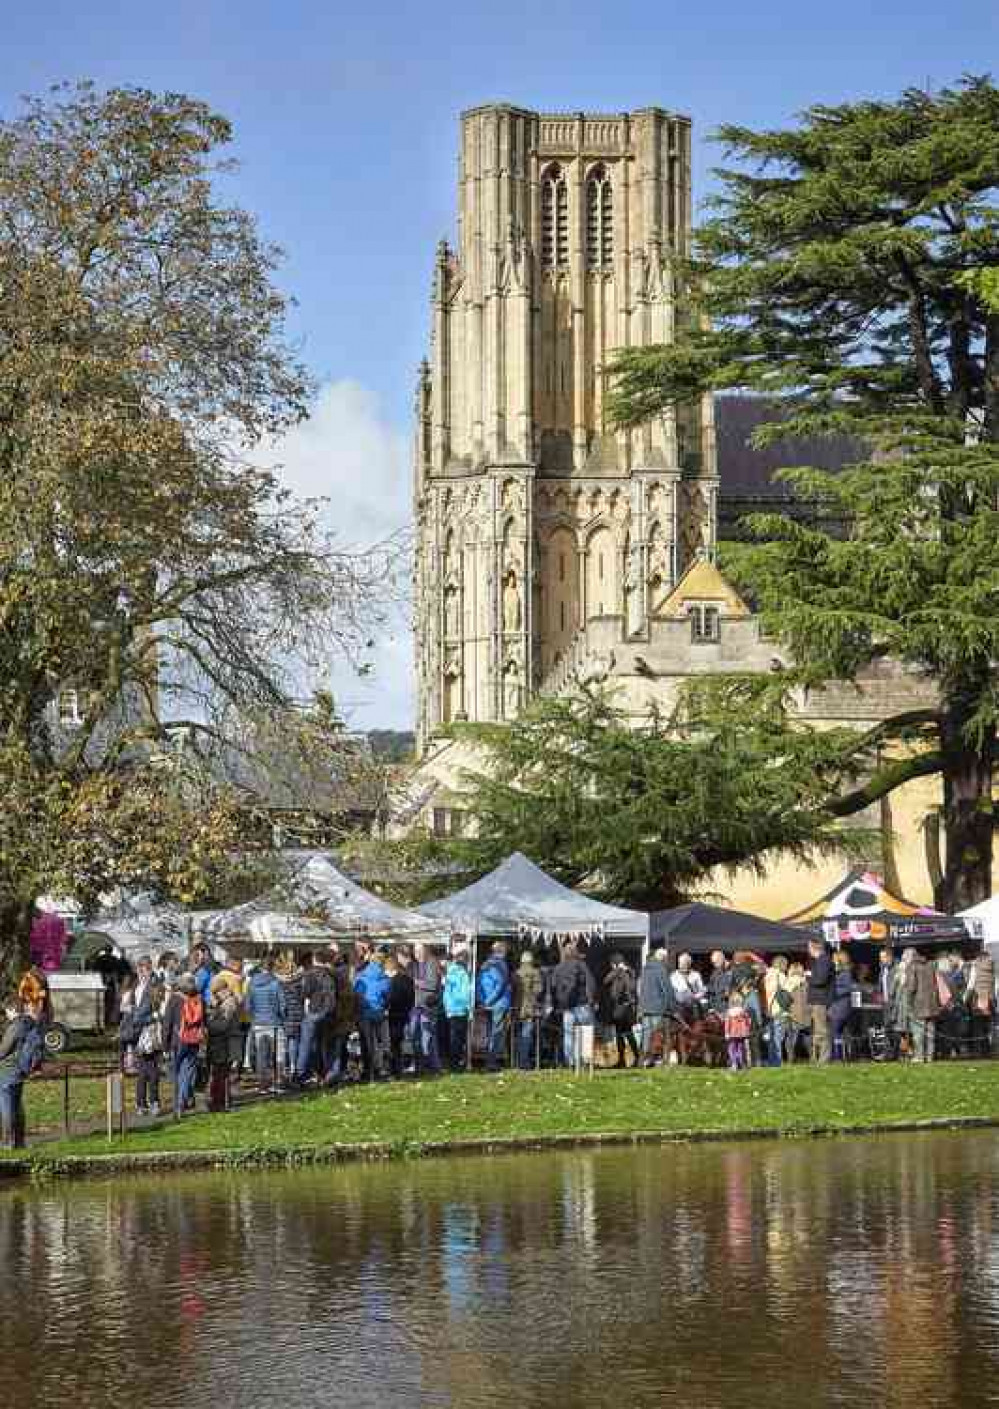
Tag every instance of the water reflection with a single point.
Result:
(820, 1273)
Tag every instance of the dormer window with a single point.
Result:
(705, 622)
(69, 709)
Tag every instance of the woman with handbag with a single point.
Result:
(145, 999)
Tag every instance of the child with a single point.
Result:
(738, 1026)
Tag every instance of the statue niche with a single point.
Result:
(512, 613)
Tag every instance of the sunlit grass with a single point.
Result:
(540, 1105)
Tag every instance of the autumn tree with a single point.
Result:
(150, 561)
(846, 272)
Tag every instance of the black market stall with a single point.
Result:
(698, 929)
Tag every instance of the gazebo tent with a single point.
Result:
(135, 928)
(860, 909)
(518, 900)
(698, 929)
(314, 905)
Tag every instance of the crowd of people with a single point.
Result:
(367, 1012)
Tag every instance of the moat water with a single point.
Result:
(816, 1273)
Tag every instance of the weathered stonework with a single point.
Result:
(534, 518)
(550, 548)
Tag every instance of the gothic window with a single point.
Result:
(554, 219)
(599, 219)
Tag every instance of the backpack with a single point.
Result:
(192, 1022)
(782, 1000)
(30, 1052)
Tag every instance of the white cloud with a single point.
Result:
(348, 454)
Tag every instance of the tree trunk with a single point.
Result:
(967, 812)
(15, 939)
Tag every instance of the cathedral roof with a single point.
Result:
(702, 582)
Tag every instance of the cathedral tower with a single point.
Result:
(534, 518)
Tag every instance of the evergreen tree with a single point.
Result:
(643, 814)
(847, 272)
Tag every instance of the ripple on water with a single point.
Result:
(821, 1274)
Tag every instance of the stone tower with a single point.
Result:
(535, 519)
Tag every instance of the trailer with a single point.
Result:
(77, 1007)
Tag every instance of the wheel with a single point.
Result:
(56, 1040)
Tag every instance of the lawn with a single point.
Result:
(406, 1115)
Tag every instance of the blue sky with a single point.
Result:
(345, 119)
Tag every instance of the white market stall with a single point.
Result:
(520, 902)
(313, 907)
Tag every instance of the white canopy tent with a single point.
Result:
(519, 900)
(137, 929)
(315, 905)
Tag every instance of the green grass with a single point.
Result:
(408, 1114)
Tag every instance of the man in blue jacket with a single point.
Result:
(494, 996)
(265, 1004)
(372, 986)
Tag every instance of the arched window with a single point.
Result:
(599, 219)
(554, 219)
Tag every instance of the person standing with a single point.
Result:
(225, 1038)
(22, 1049)
(738, 1026)
(147, 1037)
(923, 1001)
(574, 993)
(319, 999)
(688, 989)
(527, 1010)
(185, 1026)
(621, 993)
(719, 984)
(820, 992)
(655, 1006)
(457, 1007)
(343, 1021)
(294, 1012)
(778, 998)
(981, 998)
(372, 987)
(495, 997)
(428, 986)
(265, 1005)
(841, 1006)
(798, 1016)
(401, 1001)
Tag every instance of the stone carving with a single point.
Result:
(512, 615)
(452, 613)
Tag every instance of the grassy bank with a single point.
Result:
(407, 1115)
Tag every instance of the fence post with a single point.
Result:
(65, 1099)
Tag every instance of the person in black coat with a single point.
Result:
(621, 996)
(574, 993)
(820, 994)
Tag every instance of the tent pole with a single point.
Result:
(474, 937)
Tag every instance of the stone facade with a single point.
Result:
(534, 519)
(550, 549)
